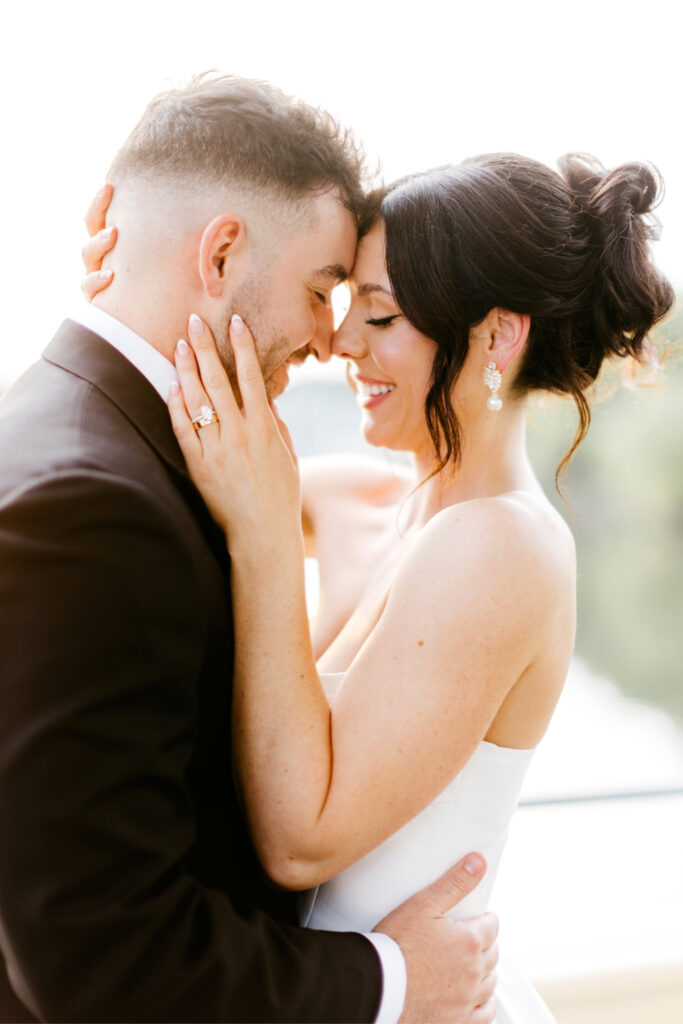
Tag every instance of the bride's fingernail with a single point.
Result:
(173, 388)
(196, 325)
(183, 347)
(237, 323)
(104, 275)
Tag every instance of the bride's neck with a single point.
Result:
(493, 461)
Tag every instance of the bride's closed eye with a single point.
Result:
(382, 321)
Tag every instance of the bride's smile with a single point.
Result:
(390, 361)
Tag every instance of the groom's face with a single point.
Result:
(285, 298)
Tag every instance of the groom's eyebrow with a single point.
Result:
(336, 272)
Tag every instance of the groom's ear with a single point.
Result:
(223, 239)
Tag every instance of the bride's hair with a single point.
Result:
(501, 230)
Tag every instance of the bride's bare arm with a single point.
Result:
(325, 784)
(334, 487)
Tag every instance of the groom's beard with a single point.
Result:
(272, 344)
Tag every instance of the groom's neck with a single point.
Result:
(158, 322)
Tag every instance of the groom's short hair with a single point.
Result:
(231, 130)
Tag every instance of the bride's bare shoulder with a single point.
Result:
(517, 536)
(353, 479)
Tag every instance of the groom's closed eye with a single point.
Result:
(325, 279)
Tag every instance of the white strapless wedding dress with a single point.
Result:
(472, 813)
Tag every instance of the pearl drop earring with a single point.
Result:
(492, 379)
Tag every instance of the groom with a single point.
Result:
(129, 890)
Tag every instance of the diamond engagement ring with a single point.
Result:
(206, 417)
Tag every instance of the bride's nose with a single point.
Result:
(348, 341)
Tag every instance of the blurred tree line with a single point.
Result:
(625, 494)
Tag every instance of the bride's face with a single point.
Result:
(390, 361)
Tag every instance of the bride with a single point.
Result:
(374, 752)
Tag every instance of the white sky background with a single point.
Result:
(422, 84)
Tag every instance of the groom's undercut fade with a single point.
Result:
(231, 130)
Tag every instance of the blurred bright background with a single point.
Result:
(592, 887)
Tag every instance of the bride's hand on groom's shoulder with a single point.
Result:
(237, 449)
(101, 239)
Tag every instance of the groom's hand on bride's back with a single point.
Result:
(450, 964)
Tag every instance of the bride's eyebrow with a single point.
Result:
(368, 289)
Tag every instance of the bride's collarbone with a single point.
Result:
(355, 544)
(350, 611)
(359, 558)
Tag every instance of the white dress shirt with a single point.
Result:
(160, 372)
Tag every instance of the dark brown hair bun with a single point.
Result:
(630, 293)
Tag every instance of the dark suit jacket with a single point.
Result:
(128, 887)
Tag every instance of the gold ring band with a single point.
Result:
(206, 417)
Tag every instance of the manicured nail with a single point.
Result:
(102, 189)
(237, 323)
(173, 388)
(473, 864)
(196, 325)
(183, 348)
(107, 232)
(104, 275)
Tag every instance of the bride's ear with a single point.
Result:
(508, 335)
(223, 241)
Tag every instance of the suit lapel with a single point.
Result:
(86, 355)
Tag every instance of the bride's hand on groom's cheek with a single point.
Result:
(237, 449)
(100, 241)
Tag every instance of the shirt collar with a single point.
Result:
(157, 369)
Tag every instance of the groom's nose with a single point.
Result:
(321, 342)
